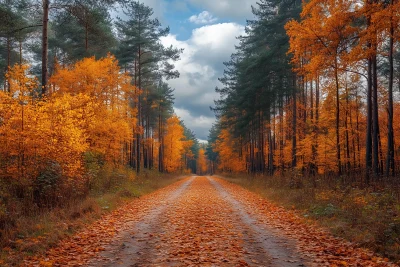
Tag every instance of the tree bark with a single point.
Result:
(8, 85)
(390, 134)
(368, 145)
(294, 122)
(339, 161)
(375, 118)
(45, 44)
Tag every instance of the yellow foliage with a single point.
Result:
(202, 162)
(88, 111)
(229, 160)
(22, 85)
(108, 119)
(174, 144)
(100, 79)
(34, 134)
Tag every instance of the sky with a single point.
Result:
(207, 30)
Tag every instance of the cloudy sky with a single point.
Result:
(207, 30)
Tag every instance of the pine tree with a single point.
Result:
(141, 51)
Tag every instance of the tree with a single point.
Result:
(140, 50)
(165, 110)
(174, 144)
(256, 79)
(80, 10)
(192, 152)
(210, 153)
(14, 27)
(81, 31)
(45, 44)
(320, 42)
(201, 162)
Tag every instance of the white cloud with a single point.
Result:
(200, 67)
(227, 8)
(217, 38)
(204, 17)
(199, 124)
(201, 121)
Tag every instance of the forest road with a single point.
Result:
(200, 222)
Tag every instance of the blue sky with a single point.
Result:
(207, 30)
(185, 16)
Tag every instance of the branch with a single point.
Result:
(23, 28)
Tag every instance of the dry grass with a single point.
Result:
(34, 232)
(368, 216)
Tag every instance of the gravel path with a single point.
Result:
(205, 221)
(199, 224)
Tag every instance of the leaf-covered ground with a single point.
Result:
(205, 221)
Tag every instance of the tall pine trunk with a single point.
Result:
(375, 117)
(339, 161)
(390, 134)
(368, 145)
(45, 44)
(294, 125)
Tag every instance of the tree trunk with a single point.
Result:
(294, 125)
(316, 124)
(45, 44)
(20, 52)
(8, 85)
(348, 164)
(358, 132)
(161, 140)
(375, 118)
(339, 162)
(390, 134)
(281, 136)
(139, 106)
(368, 145)
(86, 37)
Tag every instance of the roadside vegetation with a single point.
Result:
(26, 232)
(368, 216)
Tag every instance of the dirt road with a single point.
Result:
(206, 221)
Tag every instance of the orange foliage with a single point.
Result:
(108, 119)
(201, 162)
(88, 112)
(229, 160)
(175, 145)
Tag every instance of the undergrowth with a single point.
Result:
(366, 215)
(27, 233)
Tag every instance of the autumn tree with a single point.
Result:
(320, 42)
(320, 105)
(140, 50)
(174, 144)
(110, 92)
(201, 162)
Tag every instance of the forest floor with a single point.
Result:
(205, 221)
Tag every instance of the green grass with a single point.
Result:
(369, 216)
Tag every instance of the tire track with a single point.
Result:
(262, 240)
(137, 246)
